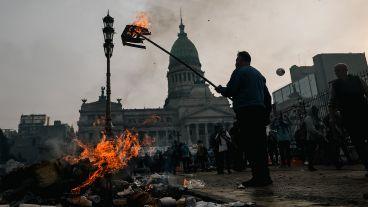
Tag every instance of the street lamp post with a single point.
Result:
(108, 32)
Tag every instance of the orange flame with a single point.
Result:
(108, 156)
(142, 20)
(186, 183)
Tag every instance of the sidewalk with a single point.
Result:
(292, 187)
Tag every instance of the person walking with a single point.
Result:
(336, 141)
(282, 128)
(349, 96)
(252, 106)
(220, 142)
(185, 157)
(202, 156)
(272, 147)
(315, 135)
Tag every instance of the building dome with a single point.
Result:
(184, 49)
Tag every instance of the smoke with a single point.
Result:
(59, 64)
(57, 147)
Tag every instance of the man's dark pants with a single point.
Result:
(355, 121)
(222, 159)
(284, 147)
(253, 139)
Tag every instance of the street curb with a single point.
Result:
(209, 197)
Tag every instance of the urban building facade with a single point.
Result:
(323, 68)
(309, 81)
(37, 140)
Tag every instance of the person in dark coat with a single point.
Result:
(349, 96)
(281, 126)
(220, 144)
(252, 106)
(336, 141)
(202, 156)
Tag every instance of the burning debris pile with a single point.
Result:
(109, 156)
(50, 183)
(95, 176)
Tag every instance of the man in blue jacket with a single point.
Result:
(252, 106)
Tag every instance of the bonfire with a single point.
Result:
(108, 156)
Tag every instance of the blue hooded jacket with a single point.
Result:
(247, 87)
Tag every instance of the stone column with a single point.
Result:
(206, 135)
(197, 132)
(188, 134)
(158, 140)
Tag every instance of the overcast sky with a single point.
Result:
(51, 53)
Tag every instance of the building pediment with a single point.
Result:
(207, 112)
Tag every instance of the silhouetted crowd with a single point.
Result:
(260, 138)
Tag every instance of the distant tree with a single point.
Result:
(4, 147)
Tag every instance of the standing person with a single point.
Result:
(176, 154)
(219, 142)
(185, 157)
(300, 137)
(272, 148)
(252, 106)
(349, 96)
(202, 156)
(168, 163)
(336, 140)
(282, 128)
(315, 134)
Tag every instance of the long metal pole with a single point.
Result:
(108, 128)
(177, 59)
(108, 101)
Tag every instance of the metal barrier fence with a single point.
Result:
(322, 99)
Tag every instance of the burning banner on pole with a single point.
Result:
(131, 35)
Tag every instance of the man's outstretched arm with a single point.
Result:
(232, 86)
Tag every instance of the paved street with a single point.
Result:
(292, 187)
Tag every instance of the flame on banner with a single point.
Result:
(142, 20)
(108, 156)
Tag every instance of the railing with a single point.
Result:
(322, 99)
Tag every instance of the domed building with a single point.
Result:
(190, 110)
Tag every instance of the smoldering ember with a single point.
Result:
(247, 132)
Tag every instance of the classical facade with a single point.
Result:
(189, 113)
(92, 118)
